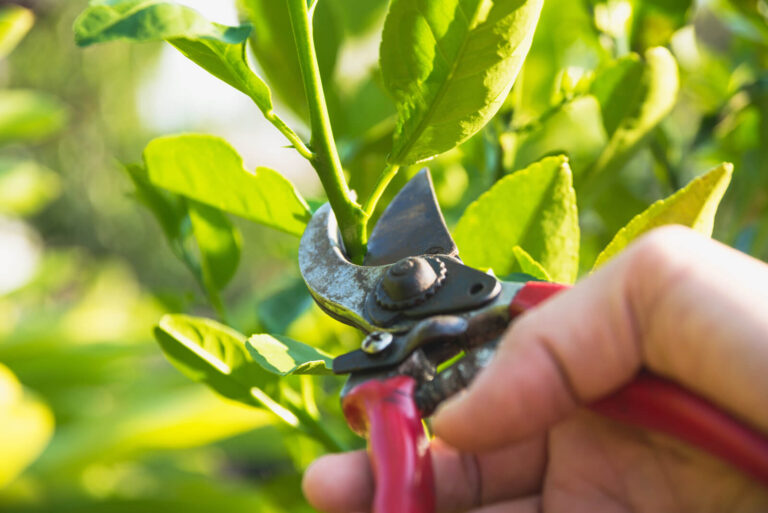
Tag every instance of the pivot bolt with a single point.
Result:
(409, 282)
(376, 342)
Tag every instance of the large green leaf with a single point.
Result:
(449, 65)
(535, 209)
(219, 243)
(695, 206)
(211, 353)
(207, 169)
(148, 20)
(634, 96)
(283, 356)
(15, 22)
(26, 427)
(29, 116)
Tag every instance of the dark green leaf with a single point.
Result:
(534, 208)
(278, 311)
(207, 169)
(29, 116)
(15, 22)
(218, 241)
(695, 206)
(283, 356)
(149, 20)
(449, 65)
(211, 353)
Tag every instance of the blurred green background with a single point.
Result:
(92, 416)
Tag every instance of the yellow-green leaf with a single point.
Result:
(530, 266)
(694, 206)
(207, 169)
(219, 243)
(15, 22)
(26, 425)
(449, 65)
(534, 208)
(284, 356)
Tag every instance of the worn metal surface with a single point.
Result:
(338, 286)
(411, 225)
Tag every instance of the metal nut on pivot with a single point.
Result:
(376, 342)
(409, 282)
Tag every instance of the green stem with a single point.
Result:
(326, 162)
(382, 182)
(289, 134)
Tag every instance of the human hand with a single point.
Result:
(518, 441)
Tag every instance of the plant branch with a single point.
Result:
(382, 182)
(326, 162)
(289, 134)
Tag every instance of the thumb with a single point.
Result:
(664, 304)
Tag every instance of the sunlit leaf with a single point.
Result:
(534, 208)
(227, 62)
(207, 169)
(169, 210)
(29, 116)
(148, 20)
(15, 22)
(634, 95)
(26, 186)
(283, 356)
(211, 353)
(219, 243)
(449, 65)
(26, 427)
(695, 206)
(530, 266)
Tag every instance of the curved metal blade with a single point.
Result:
(411, 225)
(338, 286)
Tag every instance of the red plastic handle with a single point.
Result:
(385, 412)
(661, 405)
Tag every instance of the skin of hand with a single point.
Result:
(519, 441)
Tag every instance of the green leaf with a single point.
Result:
(212, 353)
(634, 97)
(26, 427)
(534, 208)
(15, 22)
(169, 210)
(530, 266)
(449, 65)
(149, 20)
(207, 169)
(26, 186)
(227, 62)
(29, 116)
(284, 356)
(219, 243)
(694, 206)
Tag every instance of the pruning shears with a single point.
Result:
(420, 306)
